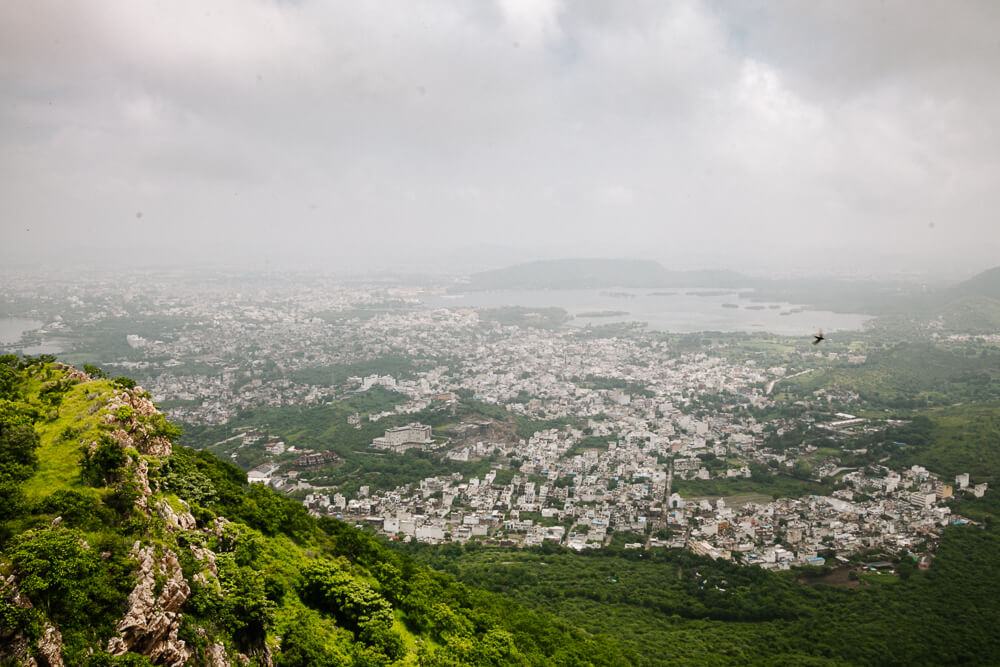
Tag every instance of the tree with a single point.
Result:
(303, 644)
(250, 613)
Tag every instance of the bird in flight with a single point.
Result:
(818, 337)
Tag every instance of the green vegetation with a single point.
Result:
(912, 375)
(325, 428)
(540, 318)
(777, 486)
(597, 382)
(590, 442)
(958, 439)
(312, 592)
(671, 607)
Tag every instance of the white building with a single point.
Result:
(262, 473)
(401, 438)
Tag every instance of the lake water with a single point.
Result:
(680, 310)
(11, 330)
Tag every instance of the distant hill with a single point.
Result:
(594, 273)
(985, 284)
(971, 314)
(972, 306)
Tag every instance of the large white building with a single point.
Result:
(401, 438)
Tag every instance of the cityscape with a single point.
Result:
(630, 422)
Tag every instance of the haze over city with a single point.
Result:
(442, 135)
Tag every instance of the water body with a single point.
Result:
(681, 310)
(13, 328)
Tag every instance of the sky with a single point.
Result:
(826, 135)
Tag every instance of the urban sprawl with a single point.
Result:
(639, 416)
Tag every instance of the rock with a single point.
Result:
(14, 646)
(142, 481)
(176, 520)
(215, 656)
(50, 647)
(72, 373)
(219, 525)
(206, 555)
(133, 431)
(150, 625)
(15, 650)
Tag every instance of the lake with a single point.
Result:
(676, 310)
(11, 330)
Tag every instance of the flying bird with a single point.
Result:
(818, 337)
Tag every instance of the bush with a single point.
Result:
(74, 507)
(68, 581)
(124, 382)
(104, 465)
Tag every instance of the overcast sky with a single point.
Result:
(745, 135)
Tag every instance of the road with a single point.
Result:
(770, 386)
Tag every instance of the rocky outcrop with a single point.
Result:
(134, 430)
(215, 656)
(71, 373)
(14, 645)
(151, 623)
(49, 648)
(218, 526)
(141, 479)
(207, 556)
(182, 520)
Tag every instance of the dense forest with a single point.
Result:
(671, 607)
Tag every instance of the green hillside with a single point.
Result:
(971, 314)
(912, 375)
(118, 549)
(963, 438)
(671, 607)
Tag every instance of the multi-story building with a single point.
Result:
(401, 438)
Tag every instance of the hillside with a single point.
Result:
(119, 548)
(597, 273)
(912, 375)
(674, 608)
(985, 283)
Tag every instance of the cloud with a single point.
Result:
(744, 133)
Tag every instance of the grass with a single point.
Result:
(879, 577)
(59, 456)
(965, 439)
(776, 486)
